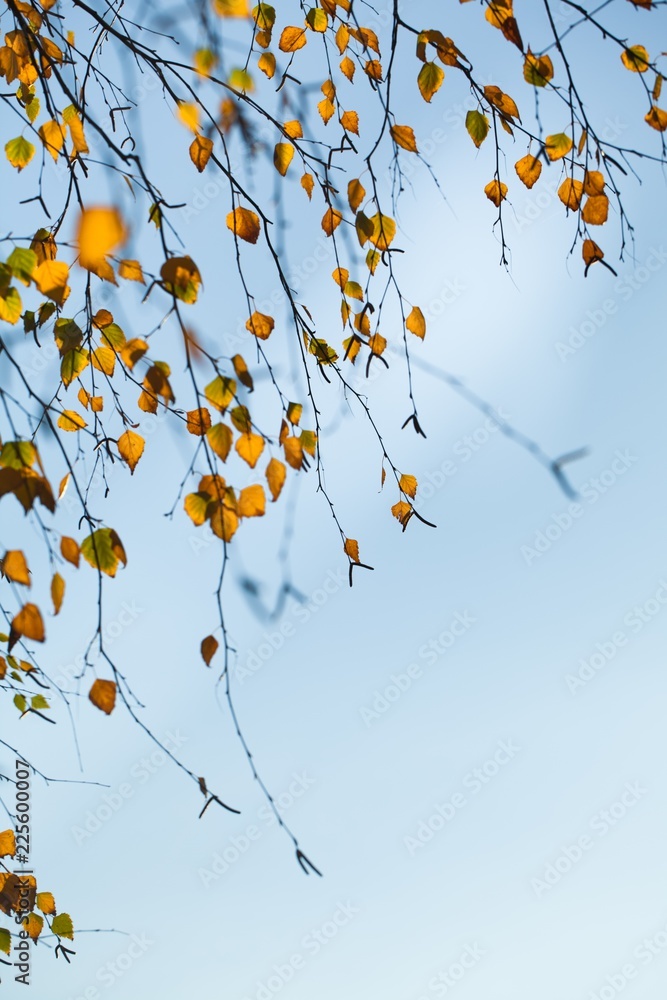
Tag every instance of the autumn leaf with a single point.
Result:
(250, 447)
(557, 146)
(104, 550)
(283, 154)
(51, 280)
(46, 903)
(69, 420)
(528, 169)
(209, 647)
(416, 322)
(252, 501)
(131, 448)
(198, 421)
(244, 224)
(19, 152)
(430, 80)
(657, 118)
(201, 149)
(103, 696)
(27, 624)
(69, 550)
(62, 924)
(276, 474)
(15, 567)
(596, 210)
(478, 127)
(496, 191)
(404, 136)
(351, 548)
(57, 592)
(383, 231)
(591, 253)
(7, 844)
(636, 59)
(260, 326)
(100, 231)
(292, 39)
(402, 511)
(131, 271)
(538, 70)
(570, 193)
(408, 485)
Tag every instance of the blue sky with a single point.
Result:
(469, 743)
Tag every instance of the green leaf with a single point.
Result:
(39, 701)
(22, 262)
(104, 551)
(62, 926)
(20, 702)
(18, 454)
(220, 392)
(19, 152)
(73, 364)
(478, 127)
(5, 940)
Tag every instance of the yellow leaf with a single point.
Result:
(384, 230)
(19, 152)
(260, 325)
(57, 592)
(348, 68)
(496, 191)
(408, 485)
(51, 280)
(350, 121)
(596, 210)
(308, 183)
(198, 421)
(317, 20)
(404, 136)
(252, 501)
(69, 549)
(402, 511)
(15, 567)
(231, 8)
(430, 80)
(69, 420)
(276, 473)
(351, 549)
(7, 844)
(181, 278)
(294, 413)
(131, 448)
(32, 925)
(355, 194)
(636, 59)
(224, 522)
(416, 322)
(570, 193)
(100, 231)
(292, 39)
(293, 452)
(267, 64)
(188, 114)
(528, 169)
(103, 695)
(104, 359)
(557, 146)
(657, 119)
(594, 182)
(201, 149)
(331, 220)
(209, 647)
(220, 438)
(28, 623)
(46, 903)
(250, 447)
(52, 135)
(245, 224)
(131, 271)
(283, 155)
(537, 70)
(327, 109)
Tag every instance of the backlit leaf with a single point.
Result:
(104, 550)
(15, 567)
(131, 448)
(245, 224)
(103, 696)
